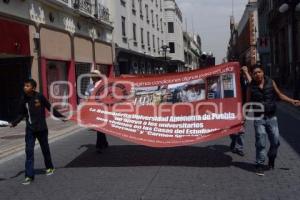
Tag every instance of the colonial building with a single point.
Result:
(174, 36)
(243, 42)
(139, 34)
(52, 40)
(232, 50)
(284, 33)
(192, 51)
(263, 41)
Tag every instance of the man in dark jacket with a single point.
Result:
(264, 91)
(32, 106)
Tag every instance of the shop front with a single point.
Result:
(131, 62)
(83, 51)
(15, 65)
(57, 69)
(104, 58)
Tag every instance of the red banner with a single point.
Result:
(167, 110)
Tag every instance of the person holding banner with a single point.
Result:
(263, 90)
(32, 106)
(237, 140)
(101, 142)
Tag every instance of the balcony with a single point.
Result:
(64, 1)
(102, 13)
(84, 6)
(60, 2)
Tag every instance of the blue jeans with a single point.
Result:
(30, 139)
(267, 126)
(237, 141)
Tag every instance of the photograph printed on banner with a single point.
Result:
(221, 86)
(218, 87)
(191, 91)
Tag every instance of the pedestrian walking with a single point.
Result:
(101, 142)
(263, 90)
(32, 106)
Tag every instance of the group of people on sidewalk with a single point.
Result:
(256, 87)
(260, 89)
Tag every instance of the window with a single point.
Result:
(141, 7)
(157, 24)
(147, 12)
(172, 47)
(148, 38)
(158, 46)
(153, 37)
(123, 3)
(152, 16)
(142, 35)
(161, 25)
(170, 27)
(133, 7)
(124, 26)
(160, 5)
(134, 31)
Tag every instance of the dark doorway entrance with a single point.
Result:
(13, 72)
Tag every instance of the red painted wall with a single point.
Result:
(71, 76)
(14, 38)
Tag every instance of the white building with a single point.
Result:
(174, 36)
(192, 50)
(139, 33)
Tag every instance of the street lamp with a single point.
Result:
(165, 48)
(292, 6)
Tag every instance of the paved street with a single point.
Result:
(131, 172)
(12, 139)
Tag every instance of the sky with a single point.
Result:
(210, 19)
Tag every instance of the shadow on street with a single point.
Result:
(131, 155)
(289, 130)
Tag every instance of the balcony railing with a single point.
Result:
(103, 13)
(83, 5)
(65, 1)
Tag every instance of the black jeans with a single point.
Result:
(101, 140)
(30, 139)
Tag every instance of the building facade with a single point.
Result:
(56, 40)
(243, 42)
(263, 42)
(139, 34)
(284, 33)
(148, 36)
(174, 35)
(192, 51)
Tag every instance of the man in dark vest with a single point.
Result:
(264, 91)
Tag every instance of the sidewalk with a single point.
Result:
(12, 139)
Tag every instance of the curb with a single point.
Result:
(18, 150)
